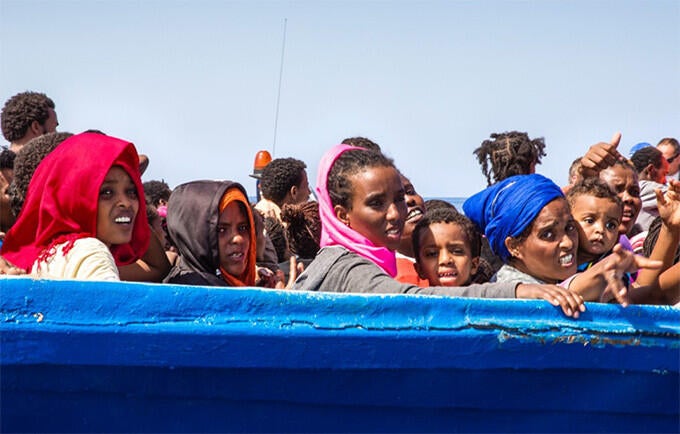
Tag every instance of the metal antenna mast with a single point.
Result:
(278, 97)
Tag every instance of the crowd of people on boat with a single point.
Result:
(73, 206)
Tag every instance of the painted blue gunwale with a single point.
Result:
(92, 356)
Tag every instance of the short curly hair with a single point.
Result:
(21, 110)
(277, 235)
(447, 215)
(593, 187)
(279, 176)
(27, 161)
(362, 142)
(303, 228)
(7, 158)
(432, 204)
(155, 190)
(508, 154)
(349, 163)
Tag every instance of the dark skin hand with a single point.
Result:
(571, 303)
(600, 156)
(8, 268)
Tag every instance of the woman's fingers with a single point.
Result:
(571, 303)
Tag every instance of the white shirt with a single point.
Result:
(88, 259)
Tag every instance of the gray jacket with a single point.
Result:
(336, 269)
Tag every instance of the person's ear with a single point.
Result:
(36, 128)
(475, 266)
(511, 245)
(341, 214)
(651, 171)
(293, 193)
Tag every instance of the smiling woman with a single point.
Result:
(79, 219)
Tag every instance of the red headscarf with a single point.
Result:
(62, 200)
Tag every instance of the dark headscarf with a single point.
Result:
(193, 214)
(507, 208)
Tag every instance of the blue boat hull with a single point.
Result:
(112, 357)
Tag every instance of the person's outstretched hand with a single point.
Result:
(622, 261)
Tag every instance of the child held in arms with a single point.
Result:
(597, 211)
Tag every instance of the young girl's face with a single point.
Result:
(233, 239)
(378, 208)
(598, 220)
(445, 258)
(117, 208)
(549, 252)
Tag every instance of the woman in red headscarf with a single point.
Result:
(80, 217)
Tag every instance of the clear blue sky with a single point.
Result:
(194, 83)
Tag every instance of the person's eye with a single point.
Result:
(375, 204)
(132, 193)
(589, 220)
(221, 229)
(243, 228)
(457, 251)
(635, 192)
(400, 198)
(612, 225)
(105, 193)
(570, 227)
(430, 253)
(547, 235)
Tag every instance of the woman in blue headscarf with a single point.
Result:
(528, 224)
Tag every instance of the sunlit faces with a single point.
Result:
(51, 122)
(598, 220)
(117, 207)
(549, 252)
(6, 217)
(415, 207)
(157, 228)
(378, 208)
(623, 182)
(662, 171)
(445, 257)
(233, 239)
(672, 157)
(300, 193)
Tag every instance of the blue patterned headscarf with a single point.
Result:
(507, 208)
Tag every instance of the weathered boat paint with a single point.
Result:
(93, 356)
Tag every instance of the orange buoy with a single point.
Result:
(262, 158)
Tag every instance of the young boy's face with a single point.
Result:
(598, 220)
(445, 258)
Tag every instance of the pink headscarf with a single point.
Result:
(334, 232)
